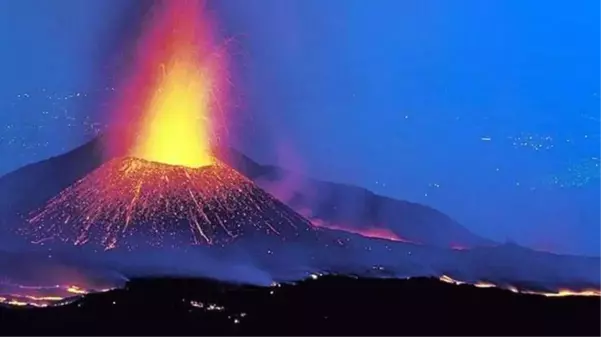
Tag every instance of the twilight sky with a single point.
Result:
(486, 110)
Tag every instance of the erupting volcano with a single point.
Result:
(170, 180)
(163, 184)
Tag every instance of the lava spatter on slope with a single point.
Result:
(130, 202)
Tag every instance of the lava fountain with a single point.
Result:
(171, 109)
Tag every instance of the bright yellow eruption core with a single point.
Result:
(176, 129)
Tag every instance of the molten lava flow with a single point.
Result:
(130, 201)
(40, 296)
(558, 293)
(172, 104)
(371, 232)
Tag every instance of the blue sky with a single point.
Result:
(486, 110)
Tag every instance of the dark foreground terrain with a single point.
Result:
(328, 305)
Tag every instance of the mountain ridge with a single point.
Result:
(324, 203)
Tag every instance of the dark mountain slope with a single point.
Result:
(29, 187)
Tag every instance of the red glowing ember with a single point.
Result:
(562, 292)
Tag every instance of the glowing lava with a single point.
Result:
(172, 106)
(379, 232)
(371, 232)
(558, 293)
(41, 296)
(130, 202)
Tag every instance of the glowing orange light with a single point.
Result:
(171, 106)
(558, 293)
(76, 290)
(370, 232)
(41, 296)
(176, 128)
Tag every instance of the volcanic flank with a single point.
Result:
(129, 200)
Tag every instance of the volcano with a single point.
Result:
(129, 202)
(160, 219)
(32, 186)
(172, 108)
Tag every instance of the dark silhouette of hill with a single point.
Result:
(330, 305)
(30, 187)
